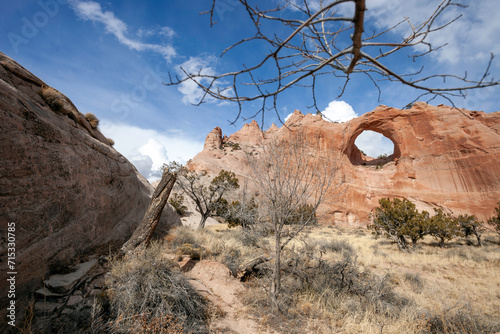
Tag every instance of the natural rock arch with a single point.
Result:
(357, 158)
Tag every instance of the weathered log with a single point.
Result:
(248, 268)
(144, 232)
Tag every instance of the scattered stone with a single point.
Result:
(64, 283)
(44, 308)
(47, 295)
(73, 301)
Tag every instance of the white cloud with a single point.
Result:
(374, 144)
(339, 111)
(161, 31)
(149, 149)
(92, 11)
(196, 65)
(469, 39)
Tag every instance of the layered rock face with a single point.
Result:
(443, 157)
(62, 184)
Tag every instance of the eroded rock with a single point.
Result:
(443, 157)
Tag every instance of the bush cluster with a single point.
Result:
(399, 220)
(303, 213)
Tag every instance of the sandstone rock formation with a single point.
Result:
(62, 184)
(443, 157)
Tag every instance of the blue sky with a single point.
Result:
(110, 57)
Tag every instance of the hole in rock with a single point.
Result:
(374, 148)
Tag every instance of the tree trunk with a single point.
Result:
(276, 283)
(401, 241)
(143, 233)
(441, 242)
(202, 222)
(478, 237)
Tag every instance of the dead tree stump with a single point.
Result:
(144, 232)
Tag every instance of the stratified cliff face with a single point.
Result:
(443, 157)
(61, 183)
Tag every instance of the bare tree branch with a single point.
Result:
(306, 43)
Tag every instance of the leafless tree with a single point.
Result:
(312, 38)
(293, 180)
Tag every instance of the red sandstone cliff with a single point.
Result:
(443, 157)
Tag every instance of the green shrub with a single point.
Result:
(177, 202)
(443, 226)
(244, 214)
(304, 212)
(470, 225)
(382, 156)
(221, 207)
(392, 219)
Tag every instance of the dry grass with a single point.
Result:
(57, 101)
(92, 119)
(443, 283)
(345, 280)
(148, 294)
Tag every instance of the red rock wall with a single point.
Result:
(443, 157)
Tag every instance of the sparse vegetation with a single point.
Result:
(355, 284)
(244, 213)
(382, 156)
(293, 182)
(92, 119)
(111, 142)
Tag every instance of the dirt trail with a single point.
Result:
(214, 280)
